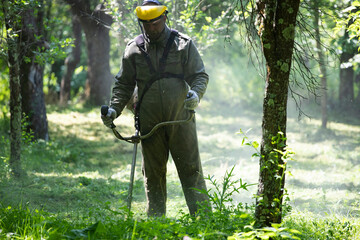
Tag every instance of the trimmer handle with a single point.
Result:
(104, 111)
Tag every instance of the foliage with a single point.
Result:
(276, 166)
(4, 157)
(204, 29)
(323, 228)
(78, 80)
(4, 83)
(78, 182)
(352, 20)
(189, 18)
(217, 224)
(19, 222)
(222, 194)
(276, 231)
(46, 52)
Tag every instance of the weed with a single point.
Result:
(223, 192)
(323, 228)
(4, 158)
(273, 232)
(22, 223)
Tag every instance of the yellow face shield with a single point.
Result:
(149, 13)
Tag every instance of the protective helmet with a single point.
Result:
(149, 13)
(156, 2)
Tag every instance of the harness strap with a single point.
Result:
(157, 74)
(163, 58)
(141, 45)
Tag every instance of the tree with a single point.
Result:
(96, 24)
(277, 22)
(349, 69)
(349, 48)
(71, 62)
(32, 70)
(11, 14)
(323, 74)
(346, 87)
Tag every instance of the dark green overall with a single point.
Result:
(164, 101)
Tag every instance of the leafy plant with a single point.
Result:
(26, 132)
(278, 158)
(4, 157)
(22, 223)
(273, 232)
(222, 194)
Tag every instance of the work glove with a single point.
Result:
(192, 100)
(109, 117)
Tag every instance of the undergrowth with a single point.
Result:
(227, 220)
(71, 192)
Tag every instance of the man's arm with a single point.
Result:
(194, 71)
(124, 84)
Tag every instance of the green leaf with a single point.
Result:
(205, 27)
(267, 45)
(271, 102)
(27, 59)
(285, 67)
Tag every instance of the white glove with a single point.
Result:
(192, 100)
(109, 117)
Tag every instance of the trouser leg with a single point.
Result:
(185, 152)
(155, 156)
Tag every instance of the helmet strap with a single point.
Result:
(143, 32)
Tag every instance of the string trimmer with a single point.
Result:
(136, 138)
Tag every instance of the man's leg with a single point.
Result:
(155, 156)
(185, 152)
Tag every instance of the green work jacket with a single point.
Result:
(166, 96)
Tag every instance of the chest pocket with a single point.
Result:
(142, 68)
(174, 62)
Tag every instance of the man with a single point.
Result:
(170, 76)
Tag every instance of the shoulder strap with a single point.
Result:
(160, 74)
(140, 42)
(169, 43)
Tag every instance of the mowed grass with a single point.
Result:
(326, 170)
(83, 171)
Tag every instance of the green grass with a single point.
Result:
(76, 184)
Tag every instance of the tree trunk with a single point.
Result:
(277, 32)
(357, 96)
(15, 89)
(357, 99)
(31, 76)
(15, 110)
(346, 87)
(71, 62)
(96, 27)
(322, 66)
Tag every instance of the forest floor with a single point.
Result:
(84, 169)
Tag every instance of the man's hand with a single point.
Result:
(109, 117)
(192, 100)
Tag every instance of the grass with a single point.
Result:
(76, 184)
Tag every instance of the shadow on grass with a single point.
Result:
(350, 186)
(70, 195)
